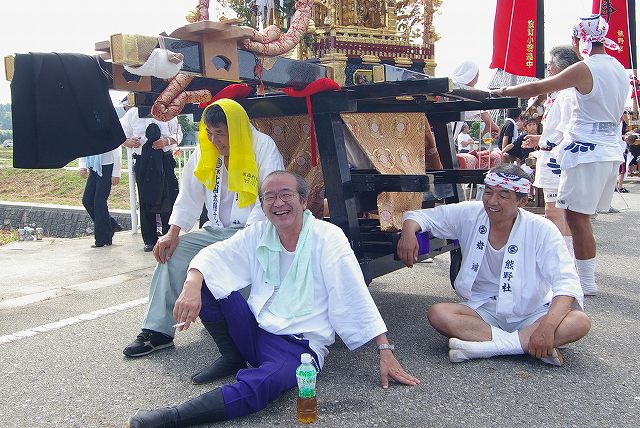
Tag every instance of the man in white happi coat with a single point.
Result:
(306, 285)
(590, 153)
(521, 290)
(223, 174)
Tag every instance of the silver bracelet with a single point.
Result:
(384, 346)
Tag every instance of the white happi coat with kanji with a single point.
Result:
(341, 301)
(536, 266)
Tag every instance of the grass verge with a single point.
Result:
(54, 186)
(7, 236)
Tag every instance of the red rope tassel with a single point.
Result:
(320, 85)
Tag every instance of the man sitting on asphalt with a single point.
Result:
(521, 288)
(306, 285)
(223, 174)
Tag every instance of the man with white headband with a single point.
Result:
(591, 151)
(522, 293)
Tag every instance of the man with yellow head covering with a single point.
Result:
(223, 174)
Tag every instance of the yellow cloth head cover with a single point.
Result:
(243, 170)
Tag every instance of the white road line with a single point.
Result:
(66, 290)
(73, 320)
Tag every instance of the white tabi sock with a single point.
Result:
(501, 343)
(587, 274)
(568, 240)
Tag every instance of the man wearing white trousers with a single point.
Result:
(522, 293)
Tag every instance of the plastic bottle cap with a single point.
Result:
(305, 358)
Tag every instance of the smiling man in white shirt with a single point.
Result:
(521, 289)
(306, 285)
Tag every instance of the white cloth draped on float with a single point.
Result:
(162, 63)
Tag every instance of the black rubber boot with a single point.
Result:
(207, 408)
(230, 360)
(167, 417)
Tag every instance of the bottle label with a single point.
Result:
(306, 383)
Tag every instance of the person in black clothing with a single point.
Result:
(514, 150)
(101, 171)
(135, 129)
(157, 186)
(633, 142)
(510, 128)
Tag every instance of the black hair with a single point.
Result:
(214, 116)
(513, 113)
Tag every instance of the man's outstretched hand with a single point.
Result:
(390, 368)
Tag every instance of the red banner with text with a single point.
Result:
(616, 12)
(514, 37)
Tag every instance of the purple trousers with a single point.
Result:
(274, 358)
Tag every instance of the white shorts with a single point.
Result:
(588, 187)
(550, 195)
(488, 314)
(547, 173)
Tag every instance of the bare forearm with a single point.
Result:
(524, 90)
(560, 307)
(411, 226)
(174, 230)
(194, 278)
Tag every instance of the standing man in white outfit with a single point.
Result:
(557, 112)
(467, 74)
(223, 174)
(590, 153)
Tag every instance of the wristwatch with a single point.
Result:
(388, 346)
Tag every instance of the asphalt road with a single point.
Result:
(66, 312)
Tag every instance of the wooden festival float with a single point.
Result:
(382, 136)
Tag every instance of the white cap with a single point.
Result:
(305, 358)
(465, 73)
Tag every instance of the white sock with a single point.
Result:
(568, 240)
(587, 274)
(501, 343)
